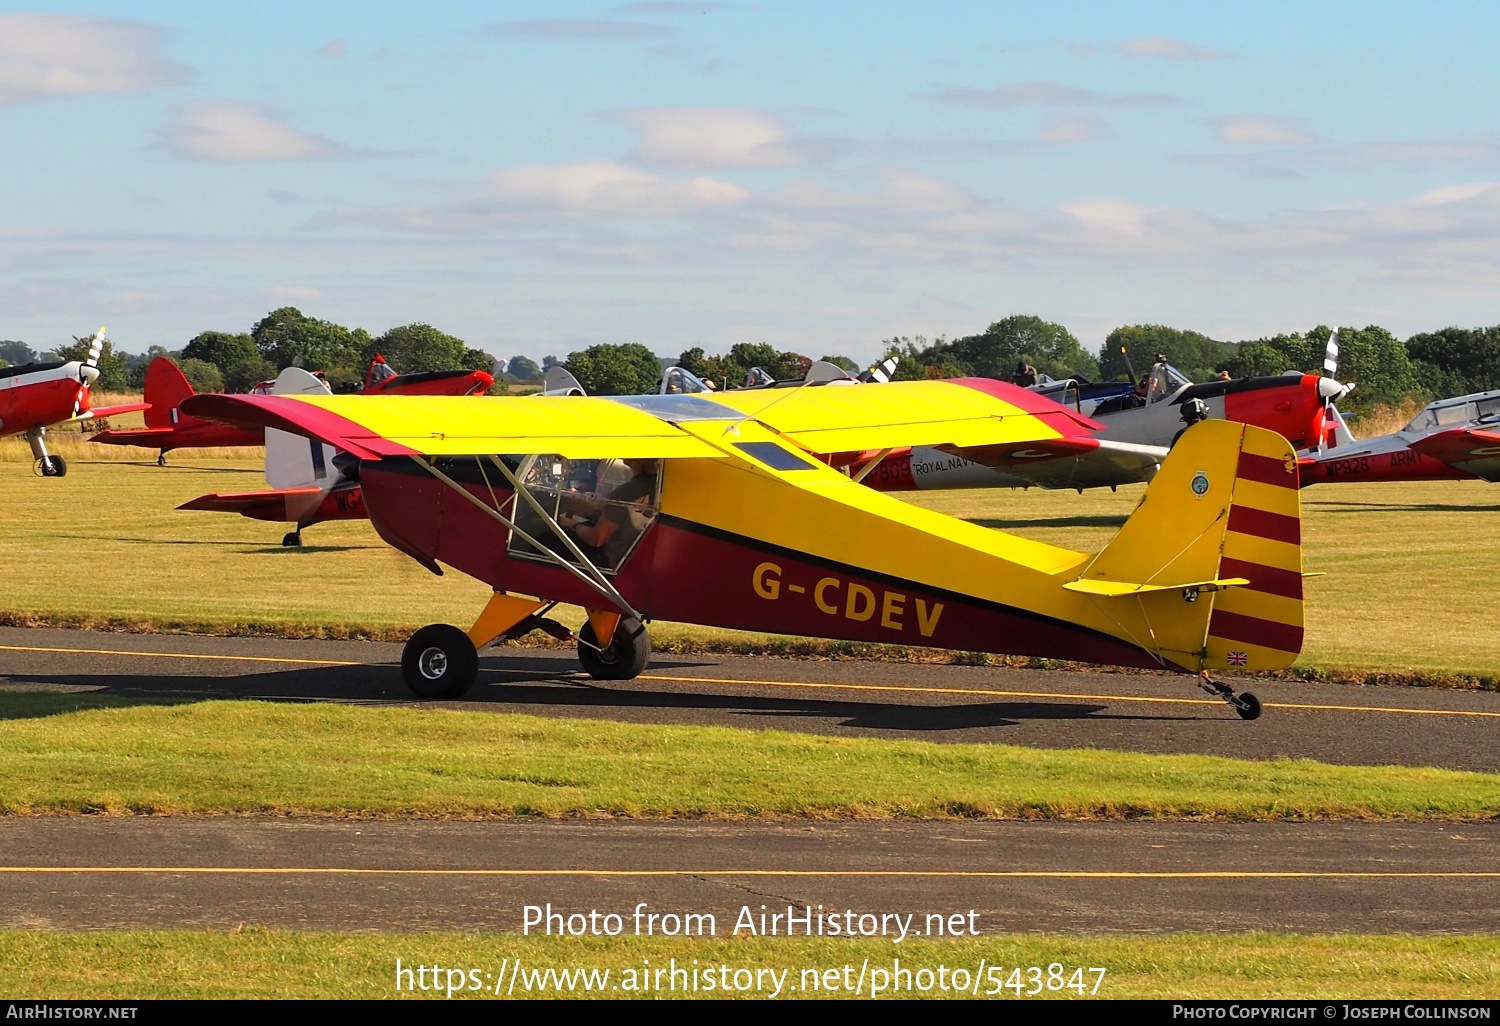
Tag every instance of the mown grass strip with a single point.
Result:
(283, 964)
(73, 754)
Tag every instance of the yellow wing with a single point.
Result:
(849, 418)
(826, 419)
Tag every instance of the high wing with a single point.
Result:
(1468, 449)
(409, 425)
(822, 420)
(963, 412)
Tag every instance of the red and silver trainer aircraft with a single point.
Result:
(1451, 439)
(36, 396)
(717, 512)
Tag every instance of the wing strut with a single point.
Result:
(864, 471)
(603, 588)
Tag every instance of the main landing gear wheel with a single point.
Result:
(161, 459)
(293, 539)
(52, 466)
(1248, 706)
(439, 662)
(623, 658)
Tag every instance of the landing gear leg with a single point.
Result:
(1246, 704)
(623, 657)
(161, 458)
(46, 465)
(293, 539)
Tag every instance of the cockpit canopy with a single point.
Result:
(1450, 413)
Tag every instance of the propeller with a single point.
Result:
(1331, 390)
(88, 371)
(880, 372)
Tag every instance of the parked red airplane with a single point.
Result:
(168, 428)
(36, 396)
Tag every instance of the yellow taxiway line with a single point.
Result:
(182, 655)
(1063, 874)
(1064, 695)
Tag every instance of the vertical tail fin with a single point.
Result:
(1207, 573)
(166, 388)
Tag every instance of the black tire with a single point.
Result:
(161, 458)
(54, 466)
(627, 655)
(439, 662)
(1248, 706)
(293, 540)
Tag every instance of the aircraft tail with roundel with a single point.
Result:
(1207, 572)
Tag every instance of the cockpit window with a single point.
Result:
(604, 506)
(1488, 410)
(1165, 381)
(1452, 416)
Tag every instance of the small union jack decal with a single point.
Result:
(1238, 659)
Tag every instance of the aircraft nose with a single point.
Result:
(88, 375)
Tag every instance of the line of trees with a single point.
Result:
(1452, 361)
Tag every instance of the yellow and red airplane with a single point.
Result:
(682, 508)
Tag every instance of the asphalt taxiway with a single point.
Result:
(1124, 711)
(88, 873)
(110, 873)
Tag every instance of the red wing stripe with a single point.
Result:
(1064, 421)
(1265, 524)
(1252, 630)
(1269, 579)
(1267, 470)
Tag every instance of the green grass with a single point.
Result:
(68, 754)
(281, 964)
(1410, 568)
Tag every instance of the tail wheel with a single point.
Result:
(439, 662)
(1247, 705)
(292, 540)
(623, 658)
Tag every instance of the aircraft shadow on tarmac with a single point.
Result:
(536, 686)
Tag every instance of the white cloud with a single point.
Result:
(711, 137)
(609, 188)
(1261, 130)
(1168, 49)
(44, 55)
(222, 132)
(1455, 193)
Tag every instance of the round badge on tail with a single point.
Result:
(1200, 484)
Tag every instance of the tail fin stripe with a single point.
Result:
(1269, 579)
(1267, 470)
(1264, 524)
(1253, 630)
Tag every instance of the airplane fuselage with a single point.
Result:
(40, 395)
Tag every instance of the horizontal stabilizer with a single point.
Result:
(1121, 589)
(244, 502)
(112, 411)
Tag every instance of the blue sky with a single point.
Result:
(539, 177)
